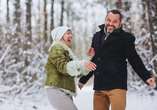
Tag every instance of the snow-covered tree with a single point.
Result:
(24, 50)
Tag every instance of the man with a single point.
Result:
(113, 46)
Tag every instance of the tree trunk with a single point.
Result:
(144, 16)
(16, 41)
(28, 21)
(152, 16)
(38, 31)
(45, 22)
(127, 24)
(17, 18)
(8, 21)
(28, 31)
(0, 11)
(0, 18)
(52, 18)
(62, 10)
(145, 43)
(119, 4)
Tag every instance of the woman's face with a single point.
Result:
(67, 37)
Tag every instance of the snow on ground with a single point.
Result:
(84, 101)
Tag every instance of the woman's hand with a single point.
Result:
(91, 52)
(89, 65)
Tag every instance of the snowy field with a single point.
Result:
(84, 100)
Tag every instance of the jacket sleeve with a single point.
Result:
(135, 60)
(84, 79)
(59, 59)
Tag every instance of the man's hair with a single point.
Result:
(116, 12)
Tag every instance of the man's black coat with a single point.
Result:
(111, 72)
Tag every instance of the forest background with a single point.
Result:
(25, 27)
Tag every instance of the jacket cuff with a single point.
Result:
(80, 64)
(71, 68)
(84, 71)
(89, 58)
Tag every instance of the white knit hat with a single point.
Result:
(57, 33)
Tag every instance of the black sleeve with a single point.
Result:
(84, 79)
(135, 60)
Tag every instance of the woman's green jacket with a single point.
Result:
(62, 68)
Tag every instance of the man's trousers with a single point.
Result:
(116, 98)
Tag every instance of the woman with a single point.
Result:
(62, 68)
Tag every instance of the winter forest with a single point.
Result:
(25, 27)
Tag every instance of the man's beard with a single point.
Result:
(109, 31)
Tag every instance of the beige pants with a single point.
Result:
(115, 97)
(60, 100)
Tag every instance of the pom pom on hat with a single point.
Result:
(58, 32)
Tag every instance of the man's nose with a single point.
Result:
(111, 23)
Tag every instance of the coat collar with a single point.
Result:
(115, 35)
(115, 31)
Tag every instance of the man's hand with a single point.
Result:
(80, 85)
(91, 52)
(150, 81)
